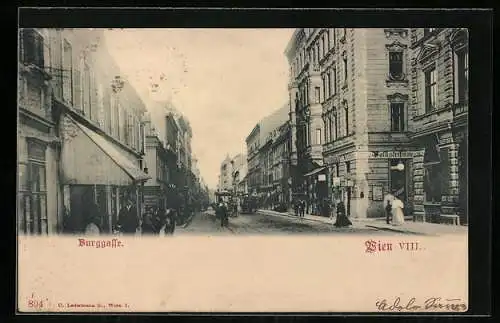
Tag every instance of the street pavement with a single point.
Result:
(262, 223)
(409, 227)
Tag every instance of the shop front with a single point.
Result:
(317, 189)
(437, 178)
(97, 176)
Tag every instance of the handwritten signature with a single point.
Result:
(430, 304)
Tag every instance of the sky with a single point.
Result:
(223, 80)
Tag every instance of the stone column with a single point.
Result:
(418, 185)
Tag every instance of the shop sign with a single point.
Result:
(321, 177)
(392, 154)
(339, 158)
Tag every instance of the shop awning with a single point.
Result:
(89, 158)
(315, 171)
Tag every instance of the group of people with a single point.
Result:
(394, 209)
(327, 209)
(152, 221)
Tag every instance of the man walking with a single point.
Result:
(388, 199)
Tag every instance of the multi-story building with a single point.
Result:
(253, 161)
(280, 166)
(156, 188)
(39, 193)
(239, 170)
(99, 119)
(439, 110)
(349, 96)
(225, 177)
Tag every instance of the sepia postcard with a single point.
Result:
(176, 170)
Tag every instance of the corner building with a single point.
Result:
(349, 103)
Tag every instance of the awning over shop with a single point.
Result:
(89, 158)
(317, 170)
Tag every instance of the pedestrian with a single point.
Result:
(128, 220)
(332, 210)
(147, 222)
(93, 226)
(398, 217)
(170, 217)
(342, 219)
(388, 207)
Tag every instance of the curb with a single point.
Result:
(395, 230)
(272, 213)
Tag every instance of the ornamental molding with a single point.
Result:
(396, 32)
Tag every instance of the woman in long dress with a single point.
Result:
(398, 217)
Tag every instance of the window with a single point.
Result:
(346, 116)
(462, 76)
(326, 123)
(335, 133)
(86, 82)
(333, 79)
(397, 117)
(317, 94)
(324, 45)
(345, 69)
(328, 84)
(348, 167)
(318, 136)
(32, 47)
(337, 169)
(328, 39)
(67, 72)
(396, 65)
(430, 89)
(317, 53)
(323, 79)
(33, 191)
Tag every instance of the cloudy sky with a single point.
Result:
(223, 80)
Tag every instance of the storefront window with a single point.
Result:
(32, 188)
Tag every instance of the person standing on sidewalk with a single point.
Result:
(342, 219)
(388, 206)
(398, 217)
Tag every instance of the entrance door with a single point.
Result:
(398, 179)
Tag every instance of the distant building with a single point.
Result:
(239, 172)
(225, 177)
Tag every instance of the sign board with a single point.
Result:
(392, 154)
(378, 193)
(336, 181)
(321, 177)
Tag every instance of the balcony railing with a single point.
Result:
(460, 108)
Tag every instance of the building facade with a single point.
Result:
(253, 161)
(349, 103)
(225, 177)
(239, 170)
(99, 113)
(280, 165)
(39, 192)
(439, 107)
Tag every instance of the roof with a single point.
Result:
(273, 121)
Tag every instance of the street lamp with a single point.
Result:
(400, 166)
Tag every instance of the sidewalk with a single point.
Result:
(408, 227)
